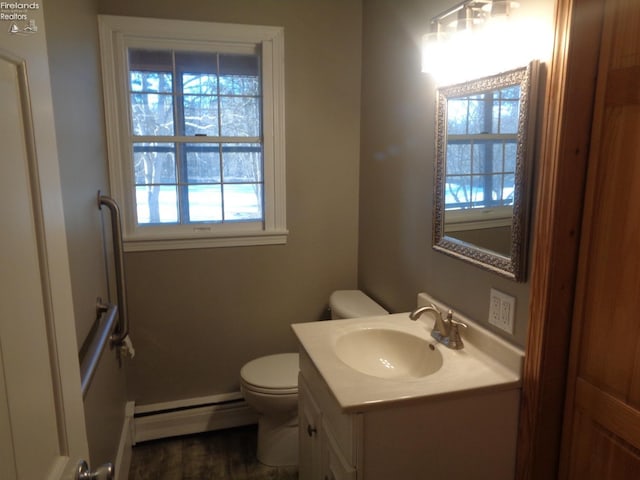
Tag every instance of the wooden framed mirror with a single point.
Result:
(484, 154)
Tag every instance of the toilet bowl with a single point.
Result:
(270, 385)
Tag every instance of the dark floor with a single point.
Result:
(220, 455)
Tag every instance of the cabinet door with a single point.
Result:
(310, 422)
(334, 464)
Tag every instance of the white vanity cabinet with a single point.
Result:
(322, 455)
(447, 437)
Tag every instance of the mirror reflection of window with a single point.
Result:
(483, 164)
(482, 135)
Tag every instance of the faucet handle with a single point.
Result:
(455, 341)
(456, 323)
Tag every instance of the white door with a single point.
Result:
(42, 431)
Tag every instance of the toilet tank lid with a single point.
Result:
(353, 304)
(279, 371)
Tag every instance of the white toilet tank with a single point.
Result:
(353, 304)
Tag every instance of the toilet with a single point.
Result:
(269, 384)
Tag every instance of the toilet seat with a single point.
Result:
(272, 374)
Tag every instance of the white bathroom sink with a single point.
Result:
(387, 353)
(371, 362)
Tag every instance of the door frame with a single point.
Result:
(566, 133)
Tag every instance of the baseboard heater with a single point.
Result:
(193, 415)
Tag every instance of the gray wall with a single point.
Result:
(198, 315)
(396, 260)
(77, 97)
(358, 203)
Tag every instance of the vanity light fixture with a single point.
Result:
(500, 7)
(459, 40)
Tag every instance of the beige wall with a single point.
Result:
(198, 315)
(77, 97)
(396, 260)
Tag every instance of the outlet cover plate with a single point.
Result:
(502, 310)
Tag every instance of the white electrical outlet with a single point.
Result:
(502, 310)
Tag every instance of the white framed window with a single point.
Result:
(195, 131)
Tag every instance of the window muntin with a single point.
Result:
(482, 135)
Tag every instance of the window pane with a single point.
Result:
(479, 159)
(457, 116)
(200, 115)
(511, 92)
(495, 118)
(242, 162)
(239, 85)
(496, 184)
(498, 154)
(205, 203)
(509, 111)
(196, 62)
(508, 189)
(152, 114)
(476, 123)
(243, 202)
(457, 192)
(154, 163)
(239, 75)
(150, 82)
(481, 192)
(458, 158)
(240, 116)
(203, 162)
(156, 204)
(202, 84)
(151, 70)
(510, 152)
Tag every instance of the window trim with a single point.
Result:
(117, 33)
(480, 218)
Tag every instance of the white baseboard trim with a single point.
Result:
(195, 415)
(187, 402)
(123, 457)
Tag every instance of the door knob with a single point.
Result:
(103, 472)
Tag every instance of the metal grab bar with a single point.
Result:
(122, 329)
(105, 327)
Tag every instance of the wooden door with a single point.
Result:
(602, 421)
(42, 431)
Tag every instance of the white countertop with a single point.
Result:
(487, 362)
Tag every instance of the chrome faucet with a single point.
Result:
(440, 326)
(444, 331)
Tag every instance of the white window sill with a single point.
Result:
(243, 240)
